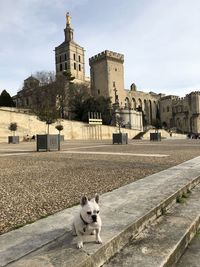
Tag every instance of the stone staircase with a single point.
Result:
(145, 135)
(139, 136)
(164, 241)
(144, 224)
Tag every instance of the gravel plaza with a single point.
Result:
(34, 185)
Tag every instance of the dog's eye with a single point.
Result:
(89, 212)
(97, 211)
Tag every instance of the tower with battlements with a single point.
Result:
(107, 75)
(69, 56)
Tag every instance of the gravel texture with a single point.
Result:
(38, 184)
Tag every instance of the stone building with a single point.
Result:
(107, 79)
(173, 112)
(24, 97)
(183, 114)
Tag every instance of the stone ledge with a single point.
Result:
(163, 242)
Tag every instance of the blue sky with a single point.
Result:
(160, 39)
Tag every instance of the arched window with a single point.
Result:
(127, 103)
(134, 103)
(139, 105)
(150, 112)
(145, 107)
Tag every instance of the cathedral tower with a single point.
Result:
(69, 55)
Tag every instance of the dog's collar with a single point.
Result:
(86, 223)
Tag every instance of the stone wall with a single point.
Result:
(181, 113)
(30, 125)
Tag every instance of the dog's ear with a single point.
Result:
(84, 200)
(97, 198)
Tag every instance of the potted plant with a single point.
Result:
(120, 138)
(48, 142)
(13, 139)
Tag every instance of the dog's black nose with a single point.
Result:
(94, 218)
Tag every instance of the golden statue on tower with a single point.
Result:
(68, 19)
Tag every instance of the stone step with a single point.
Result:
(191, 257)
(124, 211)
(163, 242)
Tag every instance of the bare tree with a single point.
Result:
(44, 104)
(45, 77)
(119, 122)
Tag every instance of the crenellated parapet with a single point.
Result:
(178, 100)
(107, 55)
(169, 97)
(194, 93)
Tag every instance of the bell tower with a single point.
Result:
(69, 56)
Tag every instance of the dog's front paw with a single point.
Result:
(79, 244)
(99, 241)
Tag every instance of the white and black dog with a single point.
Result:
(88, 221)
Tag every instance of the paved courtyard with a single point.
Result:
(36, 184)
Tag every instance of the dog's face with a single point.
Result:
(90, 209)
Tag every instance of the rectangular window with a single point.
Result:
(79, 67)
(60, 67)
(65, 57)
(74, 56)
(65, 65)
(75, 66)
(60, 58)
(79, 58)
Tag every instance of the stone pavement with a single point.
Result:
(124, 211)
(35, 185)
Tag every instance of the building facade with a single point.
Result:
(107, 79)
(24, 98)
(182, 114)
